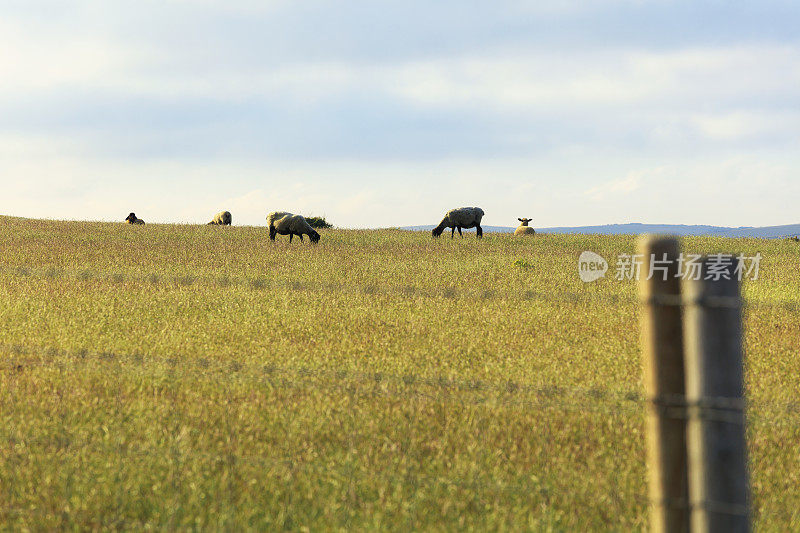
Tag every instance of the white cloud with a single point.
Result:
(609, 77)
(562, 7)
(756, 189)
(615, 188)
(49, 56)
(239, 6)
(748, 124)
(631, 130)
(43, 59)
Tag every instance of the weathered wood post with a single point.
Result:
(718, 481)
(662, 343)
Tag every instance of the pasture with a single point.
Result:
(177, 376)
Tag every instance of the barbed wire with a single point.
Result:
(440, 389)
(711, 506)
(566, 397)
(590, 296)
(582, 400)
(507, 393)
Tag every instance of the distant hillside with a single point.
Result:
(495, 229)
(766, 232)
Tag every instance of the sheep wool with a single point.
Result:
(131, 219)
(283, 223)
(463, 217)
(223, 218)
(524, 228)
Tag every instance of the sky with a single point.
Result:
(380, 113)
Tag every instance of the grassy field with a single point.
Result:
(176, 376)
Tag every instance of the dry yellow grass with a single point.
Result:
(202, 377)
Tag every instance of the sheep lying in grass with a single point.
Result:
(131, 219)
(282, 223)
(524, 228)
(223, 218)
(463, 217)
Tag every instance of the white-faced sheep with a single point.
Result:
(463, 217)
(282, 223)
(223, 218)
(524, 228)
(131, 219)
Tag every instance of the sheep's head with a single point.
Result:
(131, 218)
(436, 232)
(524, 221)
(314, 236)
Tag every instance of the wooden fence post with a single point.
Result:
(718, 483)
(662, 343)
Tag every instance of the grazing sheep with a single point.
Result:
(463, 217)
(524, 228)
(131, 219)
(223, 218)
(794, 238)
(282, 223)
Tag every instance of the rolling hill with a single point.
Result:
(765, 232)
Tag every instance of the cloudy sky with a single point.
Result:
(385, 113)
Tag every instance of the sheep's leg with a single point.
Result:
(480, 231)
(301, 237)
(272, 232)
(459, 232)
(453, 232)
(290, 237)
